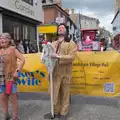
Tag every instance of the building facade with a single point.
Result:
(89, 22)
(58, 2)
(53, 13)
(76, 19)
(20, 18)
(116, 5)
(47, 1)
(116, 23)
(83, 23)
(116, 29)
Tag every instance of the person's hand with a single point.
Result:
(54, 55)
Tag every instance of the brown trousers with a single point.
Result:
(61, 93)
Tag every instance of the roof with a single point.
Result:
(55, 5)
(75, 16)
(89, 17)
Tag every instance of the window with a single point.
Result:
(21, 31)
(43, 1)
(58, 14)
(28, 1)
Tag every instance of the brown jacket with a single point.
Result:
(67, 51)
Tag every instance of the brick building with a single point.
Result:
(52, 12)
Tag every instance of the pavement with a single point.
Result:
(33, 106)
(110, 49)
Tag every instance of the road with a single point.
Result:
(33, 106)
(110, 49)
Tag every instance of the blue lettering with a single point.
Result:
(22, 74)
(21, 81)
(33, 81)
(32, 74)
(29, 81)
(18, 81)
(42, 74)
(19, 74)
(37, 82)
(26, 74)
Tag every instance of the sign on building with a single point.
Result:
(59, 20)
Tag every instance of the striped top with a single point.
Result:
(2, 66)
(8, 65)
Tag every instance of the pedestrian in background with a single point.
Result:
(9, 74)
(19, 46)
(62, 74)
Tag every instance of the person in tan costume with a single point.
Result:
(62, 74)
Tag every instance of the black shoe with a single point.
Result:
(6, 117)
(62, 117)
(49, 116)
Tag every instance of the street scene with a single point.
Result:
(59, 59)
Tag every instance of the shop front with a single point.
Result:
(47, 31)
(20, 18)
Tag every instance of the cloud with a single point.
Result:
(100, 9)
(93, 5)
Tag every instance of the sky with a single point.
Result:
(100, 9)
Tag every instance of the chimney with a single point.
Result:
(72, 14)
(72, 11)
(58, 2)
(67, 10)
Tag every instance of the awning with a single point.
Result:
(47, 29)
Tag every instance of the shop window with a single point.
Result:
(16, 30)
(25, 32)
(7, 25)
(28, 1)
(29, 38)
(21, 31)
